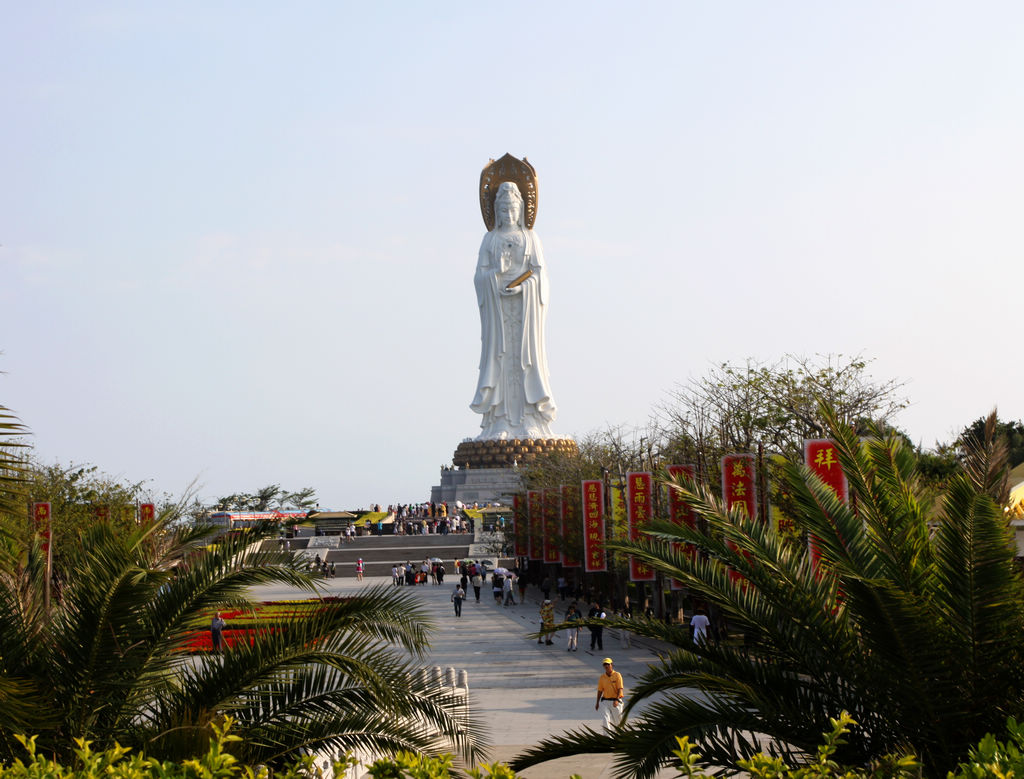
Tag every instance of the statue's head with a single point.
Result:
(508, 205)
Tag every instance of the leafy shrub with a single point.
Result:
(996, 759)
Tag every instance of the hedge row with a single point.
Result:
(990, 759)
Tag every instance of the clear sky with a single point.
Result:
(238, 239)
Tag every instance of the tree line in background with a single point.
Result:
(79, 495)
(267, 498)
(756, 407)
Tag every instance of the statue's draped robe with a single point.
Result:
(513, 391)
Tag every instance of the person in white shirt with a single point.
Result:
(506, 588)
(458, 596)
(700, 624)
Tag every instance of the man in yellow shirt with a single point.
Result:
(610, 692)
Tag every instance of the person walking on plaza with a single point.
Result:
(610, 692)
(547, 620)
(359, 569)
(478, 582)
(457, 597)
(506, 588)
(217, 625)
(573, 618)
(699, 624)
(596, 631)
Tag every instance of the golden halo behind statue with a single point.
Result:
(508, 168)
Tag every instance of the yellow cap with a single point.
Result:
(607, 661)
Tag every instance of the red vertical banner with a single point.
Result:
(535, 506)
(821, 456)
(520, 526)
(594, 556)
(552, 526)
(739, 490)
(570, 527)
(640, 508)
(147, 512)
(679, 511)
(739, 483)
(41, 516)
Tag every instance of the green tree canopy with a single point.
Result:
(774, 406)
(1011, 432)
(267, 498)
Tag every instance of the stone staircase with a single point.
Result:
(380, 553)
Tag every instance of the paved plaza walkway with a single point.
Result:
(523, 691)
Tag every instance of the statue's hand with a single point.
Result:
(514, 291)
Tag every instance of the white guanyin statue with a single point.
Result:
(513, 392)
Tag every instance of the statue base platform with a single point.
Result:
(488, 471)
(507, 453)
(477, 485)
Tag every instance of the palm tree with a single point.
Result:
(106, 661)
(12, 466)
(14, 716)
(914, 623)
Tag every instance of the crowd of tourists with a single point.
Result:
(430, 510)
(508, 588)
(441, 526)
(408, 574)
(322, 567)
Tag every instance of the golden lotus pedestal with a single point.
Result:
(510, 452)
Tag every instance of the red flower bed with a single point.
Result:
(202, 641)
(248, 626)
